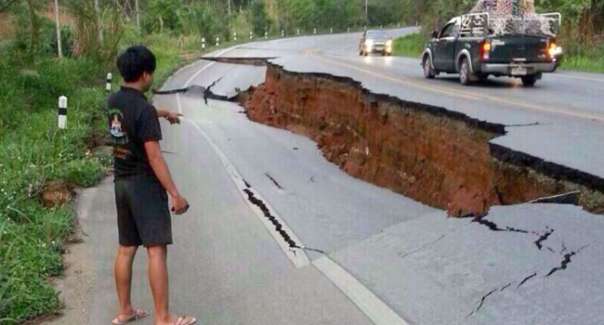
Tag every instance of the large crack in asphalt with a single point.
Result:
(510, 174)
(251, 197)
(506, 164)
(267, 213)
(407, 146)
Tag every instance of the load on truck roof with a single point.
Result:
(501, 17)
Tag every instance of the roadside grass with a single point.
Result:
(33, 152)
(588, 60)
(411, 45)
(578, 59)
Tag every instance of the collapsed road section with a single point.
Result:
(436, 156)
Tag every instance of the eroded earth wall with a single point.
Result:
(438, 157)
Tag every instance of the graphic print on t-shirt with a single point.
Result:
(116, 129)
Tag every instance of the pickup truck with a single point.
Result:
(474, 51)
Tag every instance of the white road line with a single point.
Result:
(374, 308)
(296, 256)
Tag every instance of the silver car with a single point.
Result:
(375, 41)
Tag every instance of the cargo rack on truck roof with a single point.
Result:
(485, 23)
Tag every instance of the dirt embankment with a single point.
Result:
(427, 153)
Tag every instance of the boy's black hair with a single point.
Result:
(133, 62)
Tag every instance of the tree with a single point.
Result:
(259, 18)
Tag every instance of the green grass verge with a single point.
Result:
(580, 59)
(33, 152)
(411, 45)
(588, 60)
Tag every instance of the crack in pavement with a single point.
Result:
(544, 237)
(493, 226)
(526, 279)
(274, 181)
(275, 222)
(427, 245)
(246, 183)
(267, 213)
(484, 298)
(566, 260)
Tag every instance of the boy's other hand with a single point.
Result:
(173, 118)
(179, 204)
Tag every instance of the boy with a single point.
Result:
(142, 179)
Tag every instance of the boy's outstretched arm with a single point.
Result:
(159, 166)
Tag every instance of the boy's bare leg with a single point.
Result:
(158, 280)
(123, 277)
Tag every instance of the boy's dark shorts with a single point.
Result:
(143, 215)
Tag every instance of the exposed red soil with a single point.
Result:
(426, 153)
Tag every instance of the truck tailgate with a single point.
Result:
(519, 48)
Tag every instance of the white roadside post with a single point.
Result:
(235, 36)
(217, 41)
(347, 29)
(297, 31)
(314, 31)
(282, 33)
(62, 123)
(251, 36)
(203, 43)
(108, 84)
(265, 34)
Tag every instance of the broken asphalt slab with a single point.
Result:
(452, 271)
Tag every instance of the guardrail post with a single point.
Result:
(203, 42)
(108, 84)
(251, 36)
(62, 122)
(217, 40)
(235, 36)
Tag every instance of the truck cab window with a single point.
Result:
(449, 30)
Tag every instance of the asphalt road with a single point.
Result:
(374, 257)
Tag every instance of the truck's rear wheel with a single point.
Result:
(428, 71)
(466, 76)
(529, 81)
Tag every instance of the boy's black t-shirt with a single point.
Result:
(132, 122)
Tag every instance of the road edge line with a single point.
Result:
(371, 305)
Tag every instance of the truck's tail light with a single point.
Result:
(485, 50)
(553, 50)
